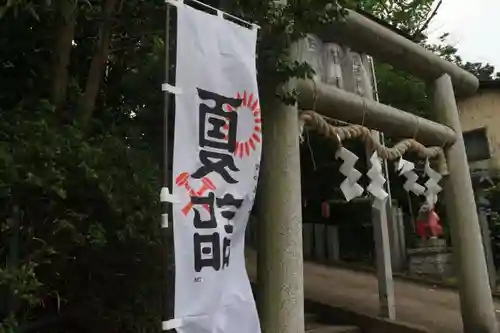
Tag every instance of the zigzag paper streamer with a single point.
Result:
(349, 187)
(433, 188)
(406, 168)
(376, 187)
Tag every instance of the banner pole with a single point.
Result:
(166, 206)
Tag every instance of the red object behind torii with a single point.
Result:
(428, 223)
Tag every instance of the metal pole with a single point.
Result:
(167, 209)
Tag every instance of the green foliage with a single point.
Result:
(410, 16)
(87, 210)
(401, 90)
(281, 25)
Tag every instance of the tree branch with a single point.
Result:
(428, 21)
(97, 66)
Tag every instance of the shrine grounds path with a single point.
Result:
(435, 308)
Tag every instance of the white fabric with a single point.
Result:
(171, 89)
(172, 324)
(215, 55)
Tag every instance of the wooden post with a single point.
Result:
(387, 302)
(478, 312)
(280, 258)
(399, 217)
(319, 241)
(394, 236)
(380, 218)
(333, 245)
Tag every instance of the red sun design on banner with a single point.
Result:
(249, 132)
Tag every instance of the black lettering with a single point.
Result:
(226, 252)
(229, 200)
(217, 117)
(206, 251)
(197, 221)
(216, 162)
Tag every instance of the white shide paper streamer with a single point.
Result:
(405, 169)
(377, 181)
(349, 187)
(433, 188)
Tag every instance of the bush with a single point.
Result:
(80, 226)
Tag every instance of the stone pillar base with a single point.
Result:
(431, 259)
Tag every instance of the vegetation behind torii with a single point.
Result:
(81, 147)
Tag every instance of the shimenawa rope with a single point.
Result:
(315, 121)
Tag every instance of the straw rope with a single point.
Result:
(315, 121)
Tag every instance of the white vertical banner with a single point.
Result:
(217, 149)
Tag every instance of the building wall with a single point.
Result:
(483, 110)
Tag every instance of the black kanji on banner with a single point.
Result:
(214, 122)
(216, 162)
(217, 142)
(206, 251)
(216, 137)
(229, 200)
(226, 251)
(207, 246)
(209, 202)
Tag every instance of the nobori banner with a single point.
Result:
(217, 149)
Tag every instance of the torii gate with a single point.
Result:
(280, 260)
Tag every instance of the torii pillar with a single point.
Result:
(280, 259)
(476, 302)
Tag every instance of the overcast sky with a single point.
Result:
(474, 27)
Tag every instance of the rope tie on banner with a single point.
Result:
(315, 121)
(164, 220)
(171, 89)
(166, 196)
(175, 3)
(172, 324)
